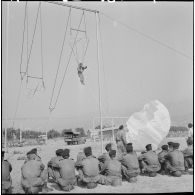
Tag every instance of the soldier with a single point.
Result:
(52, 166)
(67, 178)
(188, 155)
(170, 144)
(161, 158)
(5, 175)
(32, 154)
(190, 132)
(149, 163)
(34, 176)
(121, 140)
(89, 170)
(130, 164)
(175, 161)
(80, 70)
(112, 170)
(105, 156)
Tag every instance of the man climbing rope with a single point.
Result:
(80, 70)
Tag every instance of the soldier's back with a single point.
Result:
(67, 168)
(5, 170)
(113, 167)
(130, 160)
(90, 166)
(151, 158)
(176, 159)
(31, 169)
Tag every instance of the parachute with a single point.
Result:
(149, 126)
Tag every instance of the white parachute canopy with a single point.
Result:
(149, 126)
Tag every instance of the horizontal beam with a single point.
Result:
(72, 6)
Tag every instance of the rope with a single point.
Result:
(42, 64)
(60, 58)
(23, 42)
(66, 68)
(147, 36)
(33, 38)
(17, 103)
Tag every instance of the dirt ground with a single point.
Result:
(158, 184)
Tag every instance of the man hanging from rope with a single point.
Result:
(80, 70)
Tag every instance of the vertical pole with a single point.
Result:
(113, 129)
(99, 84)
(93, 130)
(5, 144)
(46, 138)
(20, 135)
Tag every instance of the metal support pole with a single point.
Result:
(72, 6)
(93, 130)
(5, 144)
(113, 130)
(20, 135)
(46, 138)
(99, 84)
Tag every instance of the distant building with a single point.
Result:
(107, 133)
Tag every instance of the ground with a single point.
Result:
(158, 184)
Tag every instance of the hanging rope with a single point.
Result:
(60, 58)
(42, 62)
(22, 74)
(147, 36)
(33, 38)
(50, 107)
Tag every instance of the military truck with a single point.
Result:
(74, 138)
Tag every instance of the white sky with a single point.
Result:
(134, 69)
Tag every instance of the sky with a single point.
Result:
(134, 69)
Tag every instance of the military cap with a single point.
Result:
(164, 147)
(121, 127)
(190, 125)
(176, 145)
(170, 143)
(2, 153)
(88, 151)
(148, 146)
(108, 146)
(112, 153)
(34, 150)
(189, 141)
(65, 153)
(129, 147)
(59, 152)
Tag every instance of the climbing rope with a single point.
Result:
(55, 103)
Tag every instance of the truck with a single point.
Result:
(74, 138)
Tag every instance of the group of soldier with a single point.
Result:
(110, 168)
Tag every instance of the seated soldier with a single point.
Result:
(105, 156)
(112, 170)
(89, 170)
(161, 158)
(188, 155)
(32, 154)
(6, 169)
(52, 166)
(34, 177)
(130, 164)
(174, 163)
(149, 163)
(67, 178)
